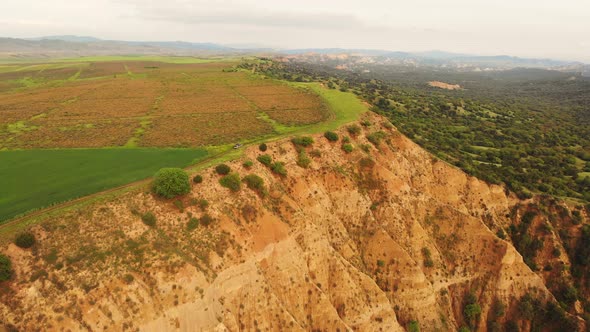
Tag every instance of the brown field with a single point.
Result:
(105, 104)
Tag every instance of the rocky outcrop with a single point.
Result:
(380, 239)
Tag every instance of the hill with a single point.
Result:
(384, 237)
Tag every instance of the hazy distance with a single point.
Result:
(527, 28)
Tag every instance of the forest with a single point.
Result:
(528, 129)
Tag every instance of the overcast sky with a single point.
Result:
(538, 28)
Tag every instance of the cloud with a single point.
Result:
(195, 13)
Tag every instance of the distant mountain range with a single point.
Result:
(75, 46)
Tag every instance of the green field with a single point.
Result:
(32, 179)
(121, 130)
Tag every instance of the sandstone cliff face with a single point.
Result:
(369, 241)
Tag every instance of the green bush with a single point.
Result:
(222, 169)
(206, 220)
(428, 262)
(5, 268)
(303, 160)
(354, 130)
(149, 219)
(231, 181)
(376, 137)
(278, 168)
(248, 164)
(192, 224)
(179, 205)
(203, 203)
(347, 147)
(302, 141)
(198, 179)
(171, 182)
(265, 159)
(25, 240)
(262, 147)
(255, 183)
(331, 136)
(413, 326)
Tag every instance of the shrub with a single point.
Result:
(5, 268)
(248, 164)
(346, 139)
(128, 278)
(303, 160)
(347, 147)
(354, 130)
(367, 162)
(387, 125)
(366, 123)
(366, 147)
(192, 224)
(255, 183)
(427, 257)
(149, 219)
(179, 205)
(376, 137)
(278, 168)
(413, 326)
(222, 169)
(25, 240)
(198, 179)
(231, 181)
(331, 136)
(203, 203)
(302, 141)
(171, 182)
(206, 220)
(315, 153)
(262, 147)
(265, 159)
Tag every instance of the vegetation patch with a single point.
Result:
(231, 181)
(222, 169)
(303, 160)
(265, 160)
(25, 240)
(278, 168)
(331, 136)
(68, 174)
(171, 182)
(302, 141)
(255, 183)
(149, 219)
(198, 179)
(5, 268)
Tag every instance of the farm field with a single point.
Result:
(144, 104)
(70, 129)
(33, 179)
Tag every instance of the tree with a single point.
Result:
(171, 182)
(222, 169)
(302, 141)
(331, 136)
(198, 179)
(5, 268)
(25, 240)
(265, 159)
(262, 147)
(231, 181)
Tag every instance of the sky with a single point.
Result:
(557, 29)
